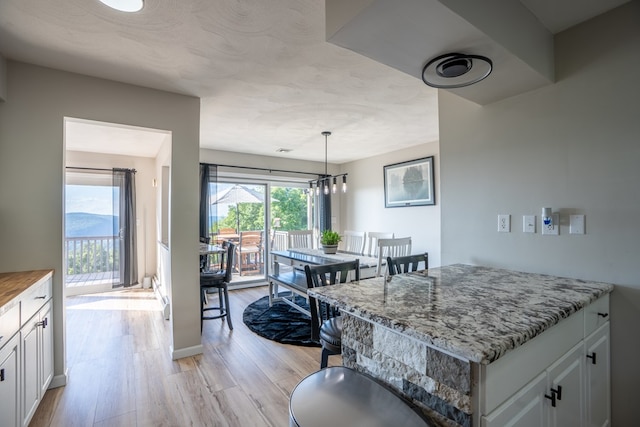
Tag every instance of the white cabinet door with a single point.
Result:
(9, 384)
(524, 409)
(566, 381)
(30, 369)
(46, 340)
(597, 378)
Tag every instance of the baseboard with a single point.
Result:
(186, 352)
(58, 381)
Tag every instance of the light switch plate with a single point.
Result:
(528, 223)
(576, 224)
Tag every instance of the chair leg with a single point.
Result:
(226, 307)
(324, 360)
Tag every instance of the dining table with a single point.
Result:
(288, 272)
(207, 249)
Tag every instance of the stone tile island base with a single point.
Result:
(437, 383)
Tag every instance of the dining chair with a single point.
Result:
(353, 242)
(280, 240)
(249, 251)
(372, 242)
(326, 323)
(217, 279)
(407, 263)
(392, 248)
(301, 239)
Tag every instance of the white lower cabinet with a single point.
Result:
(10, 383)
(598, 392)
(37, 361)
(573, 391)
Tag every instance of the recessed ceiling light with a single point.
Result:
(124, 5)
(454, 70)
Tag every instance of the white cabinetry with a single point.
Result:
(37, 361)
(9, 383)
(573, 390)
(598, 397)
(26, 348)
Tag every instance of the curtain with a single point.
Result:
(324, 201)
(208, 187)
(124, 216)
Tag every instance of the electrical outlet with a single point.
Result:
(528, 223)
(504, 223)
(554, 228)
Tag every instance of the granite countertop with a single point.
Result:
(477, 313)
(14, 284)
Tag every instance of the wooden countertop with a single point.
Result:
(13, 284)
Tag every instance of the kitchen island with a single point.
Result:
(467, 342)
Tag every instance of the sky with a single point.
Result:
(89, 199)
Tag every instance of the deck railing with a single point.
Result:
(91, 254)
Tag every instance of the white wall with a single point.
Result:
(363, 207)
(572, 146)
(32, 177)
(145, 199)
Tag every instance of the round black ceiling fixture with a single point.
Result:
(454, 70)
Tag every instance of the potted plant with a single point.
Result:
(329, 241)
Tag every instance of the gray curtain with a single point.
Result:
(208, 185)
(324, 201)
(124, 205)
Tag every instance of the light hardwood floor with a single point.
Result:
(120, 372)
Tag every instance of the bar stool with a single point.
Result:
(340, 396)
(217, 280)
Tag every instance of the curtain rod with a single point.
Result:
(263, 169)
(98, 169)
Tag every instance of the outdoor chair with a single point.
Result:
(249, 251)
(326, 323)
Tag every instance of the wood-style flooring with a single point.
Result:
(120, 372)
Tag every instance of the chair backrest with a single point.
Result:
(392, 248)
(227, 230)
(250, 238)
(405, 264)
(300, 239)
(280, 241)
(372, 242)
(353, 242)
(228, 271)
(325, 275)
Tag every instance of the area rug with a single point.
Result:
(280, 322)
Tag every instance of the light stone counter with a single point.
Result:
(421, 332)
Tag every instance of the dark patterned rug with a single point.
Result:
(281, 322)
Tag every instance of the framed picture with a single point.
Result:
(409, 183)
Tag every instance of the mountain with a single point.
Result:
(81, 224)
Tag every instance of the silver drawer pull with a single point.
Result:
(41, 297)
(603, 315)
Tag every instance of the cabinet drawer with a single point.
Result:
(9, 324)
(596, 314)
(33, 300)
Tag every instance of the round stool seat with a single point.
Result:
(331, 333)
(339, 396)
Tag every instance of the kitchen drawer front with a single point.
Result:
(9, 324)
(596, 314)
(35, 298)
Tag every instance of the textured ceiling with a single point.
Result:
(263, 70)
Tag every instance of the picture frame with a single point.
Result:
(409, 183)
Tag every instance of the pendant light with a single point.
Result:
(328, 180)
